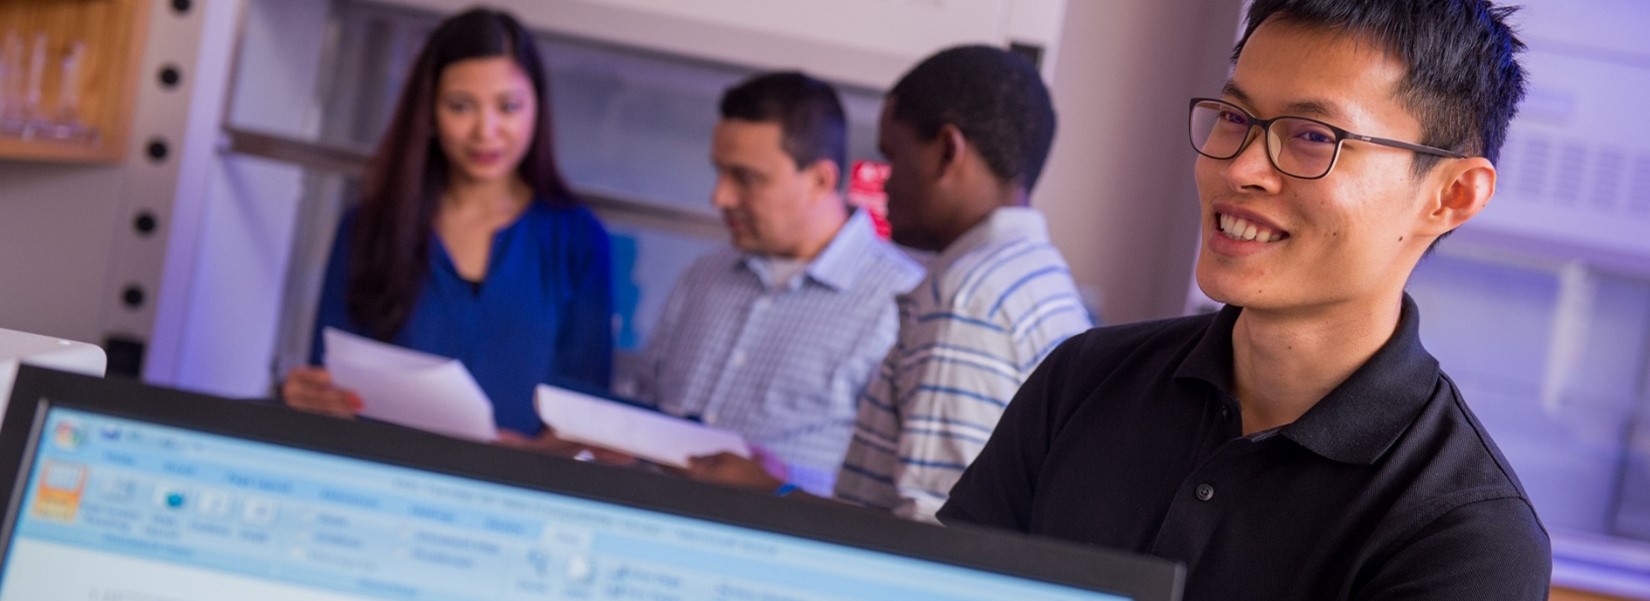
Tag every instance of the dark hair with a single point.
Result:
(995, 97)
(1464, 82)
(405, 178)
(807, 110)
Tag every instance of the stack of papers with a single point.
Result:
(410, 388)
(634, 431)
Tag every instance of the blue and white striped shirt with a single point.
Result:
(780, 362)
(995, 302)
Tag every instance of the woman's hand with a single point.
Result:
(310, 388)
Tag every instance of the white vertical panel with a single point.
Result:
(228, 334)
(200, 43)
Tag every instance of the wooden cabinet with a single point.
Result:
(68, 76)
(1564, 594)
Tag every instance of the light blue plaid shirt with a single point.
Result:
(994, 304)
(780, 363)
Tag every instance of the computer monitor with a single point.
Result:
(118, 491)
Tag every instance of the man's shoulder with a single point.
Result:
(1005, 274)
(860, 263)
(885, 256)
(997, 264)
(1461, 479)
(1448, 420)
(720, 259)
(711, 272)
(1489, 533)
(880, 268)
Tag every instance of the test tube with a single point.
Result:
(37, 76)
(68, 125)
(11, 94)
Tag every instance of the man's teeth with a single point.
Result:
(1238, 228)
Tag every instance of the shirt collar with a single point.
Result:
(1361, 418)
(839, 266)
(1005, 224)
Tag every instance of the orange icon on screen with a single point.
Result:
(58, 495)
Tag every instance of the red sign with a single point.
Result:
(865, 191)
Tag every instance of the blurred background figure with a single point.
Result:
(775, 337)
(467, 242)
(967, 132)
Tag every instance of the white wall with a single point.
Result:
(56, 224)
(1118, 188)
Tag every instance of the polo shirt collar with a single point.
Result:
(838, 267)
(1005, 224)
(1361, 418)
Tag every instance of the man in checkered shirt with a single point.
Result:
(775, 337)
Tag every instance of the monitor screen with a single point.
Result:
(111, 506)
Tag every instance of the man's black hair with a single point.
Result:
(808, 112)
(1464, 81)
(996, 98)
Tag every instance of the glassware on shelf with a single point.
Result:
(67, 124)
(23, 76)
(11, 84)
(32, 119)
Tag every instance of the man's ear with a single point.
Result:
(1464, 188)
(952, 147)
(823, 175)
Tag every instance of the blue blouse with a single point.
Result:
(543, 315)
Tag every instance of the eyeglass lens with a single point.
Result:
(1296, 146)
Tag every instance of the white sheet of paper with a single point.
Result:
(646, 434)
(410, 388)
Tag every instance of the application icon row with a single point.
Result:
(208, 502)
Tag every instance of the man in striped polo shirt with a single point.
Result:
(966, 133)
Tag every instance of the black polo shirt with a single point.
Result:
(1129, 437)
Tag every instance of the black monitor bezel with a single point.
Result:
(1048, 560)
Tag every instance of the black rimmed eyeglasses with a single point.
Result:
(1297, 146)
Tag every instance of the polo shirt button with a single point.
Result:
(1205, 492)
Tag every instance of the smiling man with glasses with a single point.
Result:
(1300, 443)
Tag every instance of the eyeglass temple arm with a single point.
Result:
(1423, 149)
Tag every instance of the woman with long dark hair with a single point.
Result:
(467, 242)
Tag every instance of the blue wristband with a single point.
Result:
(785, 489)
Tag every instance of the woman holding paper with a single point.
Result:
(467, 242)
